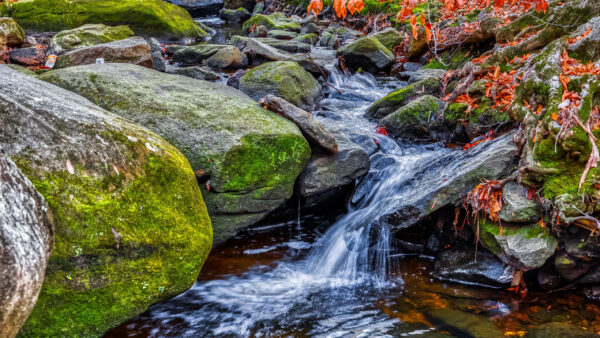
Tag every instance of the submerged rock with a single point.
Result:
(285, 79)
(88, 35)
(466, 266)
(245, 157)
(367, 53)
(27, 237)
(151, 17)
(559, 330)
(131, 228)
(464, 324)
(133, 50)
(524, 247)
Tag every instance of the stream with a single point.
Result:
(341, 275)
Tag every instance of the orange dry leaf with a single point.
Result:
(572, 41)
(413, 24)
(485, 197)
(315, 6)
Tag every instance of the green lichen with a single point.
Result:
(149, 17)
(156, 207)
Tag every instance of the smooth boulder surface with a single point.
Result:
(314, 132)
(389, 37)
(27, 238)
(150, 17)
(88, 35)
(195, 55)
(133, 50)
(466, 266)
(524, 247)
(291, 46)
(131, 228)
(227, 58)
(285, 79)
(268, 53)
(195, 72)
(366, 53)
(245, 157)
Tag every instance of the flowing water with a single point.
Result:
(342, 277)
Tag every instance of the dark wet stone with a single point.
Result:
(465, 266)
(234, 79)
(158, 61)
(548, 280)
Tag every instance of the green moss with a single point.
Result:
(366, 45)
(389, 37)
(273, 21)
(311, 38)
(450, 60)
(146, 17)
(156, 207)
(399, 97)
(89, 35)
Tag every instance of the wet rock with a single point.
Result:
(269, 53)
(310, 39)
(195, 72)
(172, 49)
(246, 158)
(227, 58)
(291, 46)
(400, 97)
(424, 74)
(420, 119)
(558, 330)
(10, 32)
(548, 280)
(233, 4)
(234, 79)
(312, 130)
(195, 55)
(412, 66)
(234, 15)
(326, 172)
(569, 268)
(88, 35)
(524, 247)
(154, 45)
(281, 34)
(275, 21)
(258, 31)
(516, 207)
(592, 292)
(389, 37)
(466, 266)
(31, 56)
(328, 39)
(464, 324)
(133, 50)
(285, 79)
(158, 62)
(591, 277)
(450, 177)
(27, 237)
(99, 172)
(367, 53)
(309, 28)
(578, 244)
(153, 18)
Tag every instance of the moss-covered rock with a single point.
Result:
(246, 158)
(195, 55)
(524, 247)
(420, 119)
(328, 39)
(285, 79)
(131, 226)
(400, 97)
(88, 35)
(12, 32)
(147, 17)
(276, 20)
(310, 39)
(134, 50)
(281, 34)
(389, 37)
(21, 69)
(366, 53)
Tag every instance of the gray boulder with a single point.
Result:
(466, 266)
(88, 35)
(158, 61)
(234, 15)
(291, 46)
(285, 79)
(281, 34)
(154, 45)
(269, 53)
(133, 50)
(246, 157)
(227, 58)
(328, 39)
(516, 207)
(195, 55)
(27, 237)
(195, 72)
(367, 53)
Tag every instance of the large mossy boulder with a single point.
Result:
(285, 79)
(131, 227)
(13, 34)
(367, 53)
(246, 157)
(524, 247)
(148, 17)
(401, 96)
(276, 21)
(27, 237)
(134, 50)
(389, 37)
(88, 35)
